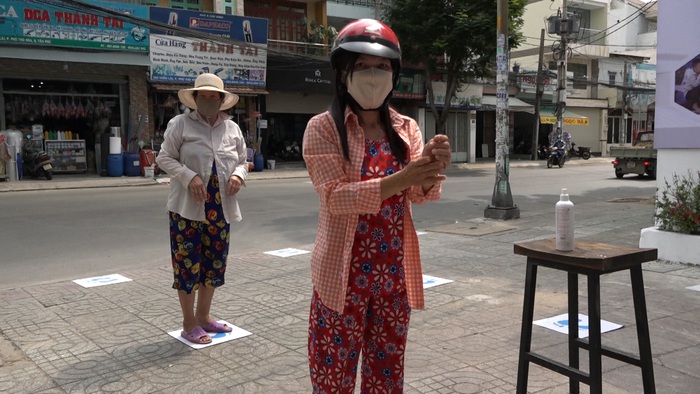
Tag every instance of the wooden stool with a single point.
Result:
(593, 260)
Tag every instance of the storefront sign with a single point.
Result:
(528, 82)
(468, 97)
(239, 58)
(567, 121)
(411, 86)
(33, 23)
(314, 76)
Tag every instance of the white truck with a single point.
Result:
(640, 158)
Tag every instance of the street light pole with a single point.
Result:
(502, 206)
(561, 71)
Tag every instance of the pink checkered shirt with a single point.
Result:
(343, 197)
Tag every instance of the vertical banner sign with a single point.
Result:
(181, 59)
(678, 76)
(32, 23)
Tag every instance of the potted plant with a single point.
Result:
(516, 67)
(678, 205)
(677, 217)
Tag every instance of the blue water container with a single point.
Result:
(19, 166)
(259, 163)
(132, 164)
(115, 165)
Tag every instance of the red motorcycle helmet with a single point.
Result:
(369, 37)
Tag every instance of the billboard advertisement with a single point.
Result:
(33, 23)
(678, 76)
(240, 58)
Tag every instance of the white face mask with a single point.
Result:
(208, 108)
(370, 87)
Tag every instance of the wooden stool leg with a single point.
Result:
(572, 280)
(594, 341)
(526, 329)
(640, 314)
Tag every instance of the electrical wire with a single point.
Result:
(636, 15)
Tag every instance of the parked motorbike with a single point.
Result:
(557, 154)
(35, 161)
(542, 152)
(583, 152)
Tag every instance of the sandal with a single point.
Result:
(215, 326)
(197, 336)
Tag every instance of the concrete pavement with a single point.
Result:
(60, 337)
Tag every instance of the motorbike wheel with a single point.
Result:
(586, 155)
(619, 174)
(48, 174)
(561, 163)
(549, 162)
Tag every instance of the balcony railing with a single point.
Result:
(299, 48)
(590, 36)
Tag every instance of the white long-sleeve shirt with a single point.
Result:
(690, 80)
(190, 147)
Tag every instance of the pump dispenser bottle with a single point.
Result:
(564, 218)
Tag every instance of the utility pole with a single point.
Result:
(625, 93)
(539, 90)
(561, 70)
(502, 206)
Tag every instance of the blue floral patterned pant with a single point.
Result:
(199, 249)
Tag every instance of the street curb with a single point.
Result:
(89, 182)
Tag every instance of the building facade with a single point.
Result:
(610, 69)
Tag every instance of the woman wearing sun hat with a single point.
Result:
(205, 155)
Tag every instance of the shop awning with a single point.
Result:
(570, 118)
(239, 90)
(488, 103)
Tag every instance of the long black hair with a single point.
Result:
(341, 98)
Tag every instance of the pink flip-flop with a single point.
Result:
(197, 336)
(217, 327)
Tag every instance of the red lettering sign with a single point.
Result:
(36, 15)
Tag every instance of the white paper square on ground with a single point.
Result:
(289, 252)
(216, 338)
(102, 280)
(696, 287)
(560, 324)
(432, 281)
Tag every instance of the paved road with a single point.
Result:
(73, 233)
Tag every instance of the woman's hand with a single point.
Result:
(423, 171)
(234, 185)
(419, 172)
(438, 150)
(198, 190)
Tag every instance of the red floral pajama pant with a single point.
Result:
(374, 323)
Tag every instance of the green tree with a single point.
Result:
(454, 39)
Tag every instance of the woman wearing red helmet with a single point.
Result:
(368, 164)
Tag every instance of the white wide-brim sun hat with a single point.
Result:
(210, 82)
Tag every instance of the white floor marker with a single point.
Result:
(287, 252)
(419, 232)
(560, 324)
(696, 287)
(432, 281)
(216, 338)
(102, 280)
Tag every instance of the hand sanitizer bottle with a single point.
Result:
(564, 218)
